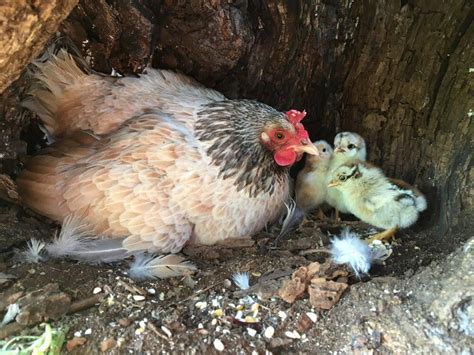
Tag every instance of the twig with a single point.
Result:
(156, 331)
(312, 251)
(86, 303)
(132, 288)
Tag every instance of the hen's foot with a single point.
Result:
(383, 236)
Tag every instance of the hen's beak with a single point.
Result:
(308, 148)
(334, 183)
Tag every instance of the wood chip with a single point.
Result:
(324, 294)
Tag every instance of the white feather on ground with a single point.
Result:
(351, 250)
(162, 267)
(12, 312)
(74, 242)
(241, 280)
(35, 252)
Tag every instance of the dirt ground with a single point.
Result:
(419, 300)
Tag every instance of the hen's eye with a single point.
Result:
(351, 146)
(342, 177)
(279, 135)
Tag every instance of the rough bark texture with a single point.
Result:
(396, 72)
(26, 26)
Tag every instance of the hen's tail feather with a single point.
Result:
(162, 266)
(54, 73)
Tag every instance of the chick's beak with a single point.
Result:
(306, 147)
(340, 150)
(333, 184)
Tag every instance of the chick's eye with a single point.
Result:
(342, 177)
(279, 135)
(324, 150)
(351, 146)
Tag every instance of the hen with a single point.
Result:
(157, 161)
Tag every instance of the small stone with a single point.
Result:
(227, 283)
(304, 323)
(88, 331)
(201, 305)
(269, 331)
(96, 290)
(77, 334)
(125, 322)
(151, 291)
(138, 298)
(218, 345)
(252, 332)
(74, 343)
(293, 334)
(108, 344)
(166, 331)
(313, 316)
(282, 315)
(162, 296)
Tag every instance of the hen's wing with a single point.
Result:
(121, 185)
(67, 99)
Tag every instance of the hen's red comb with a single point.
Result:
(295, 116)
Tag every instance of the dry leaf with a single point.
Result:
(325, 294)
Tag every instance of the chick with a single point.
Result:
(375, 199)
(311, 184)
(348, 146)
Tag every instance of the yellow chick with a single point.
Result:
(311, 184)
(375, 199)
(348, 146)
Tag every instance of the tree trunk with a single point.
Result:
(396, 72)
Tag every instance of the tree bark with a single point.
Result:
(396, 72)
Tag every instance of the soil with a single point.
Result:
(197, 314)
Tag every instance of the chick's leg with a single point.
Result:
(320, 214)
(383, 236)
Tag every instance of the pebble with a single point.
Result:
(151, 291)
(268, 333)
(293, 334)
(77, 334)
(96, 290)
(125, 322)
(201, 305)
(138, 298)
(313, 316)
(252, 332)
(166, 331)
(282, 315)
(108, 344)
(218, 345)
(88, 331)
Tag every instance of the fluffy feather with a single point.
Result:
(162, 267)
(351, 250)
(10, 315)
(76, 243)
(34, 252)
(241, 280)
